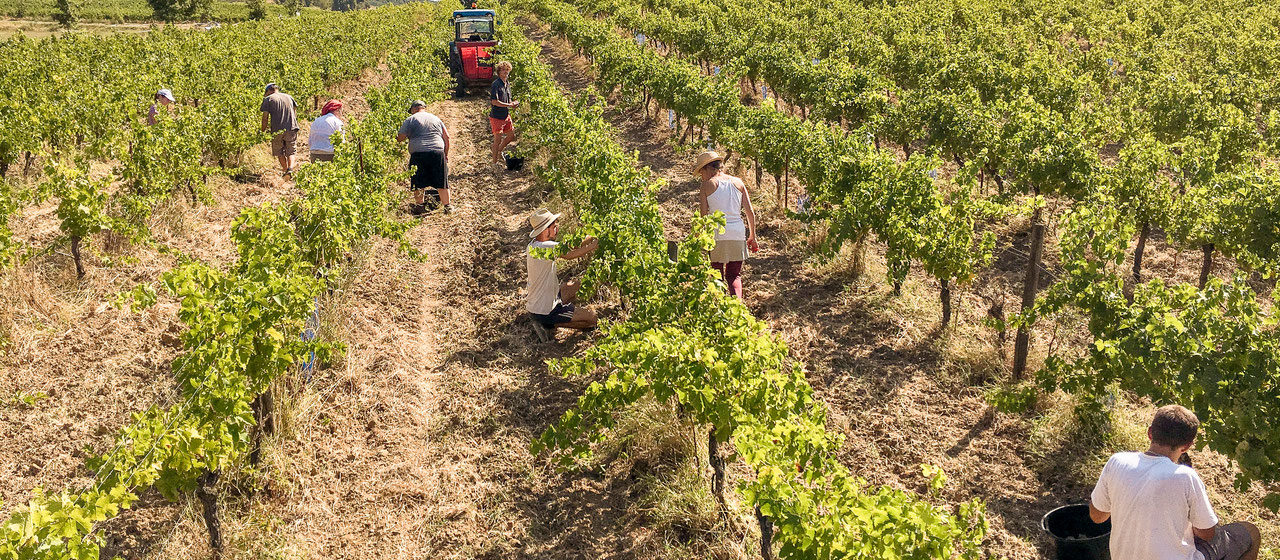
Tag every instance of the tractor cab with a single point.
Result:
(472, 49)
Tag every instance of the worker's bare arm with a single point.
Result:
(588, 246)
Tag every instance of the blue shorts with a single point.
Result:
(562, 313)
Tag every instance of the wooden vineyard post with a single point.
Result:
(1022, 343)
(360, 154)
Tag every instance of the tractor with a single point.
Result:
(472, 49)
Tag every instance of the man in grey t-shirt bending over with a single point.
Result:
(280, 117)
(1159, 509)
(428, 140)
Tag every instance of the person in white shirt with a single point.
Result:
(320, 141)
(1159, 509)
(722, 192)
(551, 303)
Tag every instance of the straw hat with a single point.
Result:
(704, 158)
(540, 220)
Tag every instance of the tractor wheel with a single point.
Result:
(459, 86)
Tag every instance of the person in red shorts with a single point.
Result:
(500, 113)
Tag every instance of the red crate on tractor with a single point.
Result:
(472, 49)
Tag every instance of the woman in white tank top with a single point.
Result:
(725, 193)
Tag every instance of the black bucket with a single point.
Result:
(513, 163)
(1075, 535)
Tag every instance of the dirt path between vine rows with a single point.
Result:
(73, 368)
(416, 445)
(901, 392)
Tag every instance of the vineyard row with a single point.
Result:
(244, 324)
(685, 343)
(1212, 348)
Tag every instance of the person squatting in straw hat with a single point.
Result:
(725, 193)
(428, 154)
(551, 303)
(280, 117)
(320, 140)
(1159, 509)
(163, 97)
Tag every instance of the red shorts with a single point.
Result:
(498, 126)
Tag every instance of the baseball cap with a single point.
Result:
(270, 87)
(166, 94)
(417, 103)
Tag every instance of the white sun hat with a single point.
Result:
(540, 220)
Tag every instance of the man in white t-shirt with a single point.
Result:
(551, 303)
(1159, 509)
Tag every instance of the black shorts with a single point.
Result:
(430, 171)
(563, 313)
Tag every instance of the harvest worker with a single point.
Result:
(1158, 508)
(163, 97)
(725, 193)
(551, 303)
(500, 113)
(280, 117)
(428, 154)
(320, 139)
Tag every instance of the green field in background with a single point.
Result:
(120, 10)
